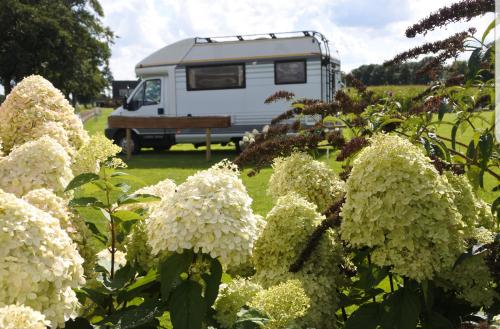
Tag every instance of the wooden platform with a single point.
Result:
(205, 122)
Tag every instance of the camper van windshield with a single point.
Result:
(148, 93)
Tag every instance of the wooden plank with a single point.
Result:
(169, 122)
(208, 143)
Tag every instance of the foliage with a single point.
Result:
(64, 41)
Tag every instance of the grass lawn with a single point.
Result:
(184, 160)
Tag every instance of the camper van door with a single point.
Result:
(147, 99)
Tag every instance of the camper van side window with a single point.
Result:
(288, 72)
(209, 77)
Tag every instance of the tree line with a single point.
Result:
(63, 40)
(404, 73)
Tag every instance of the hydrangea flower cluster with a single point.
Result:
(21, 317)
(289, 224)
(407, 217)
(284, 303)
(30, 106)
(138, 250)
(232, 297)
(472, 281)
(310, 178)
(72, 223)
(42, 163)
(39, 264)
(475, 212)
(97, 152)
(210, 212)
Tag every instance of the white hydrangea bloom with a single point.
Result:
(71, 222)
(210, 212)
(309, 178)
(399, 205)
(32, 103)
(98, 151)
(39, 264)
(21, 317)
(56, 131)
(42, 163)
(104, 259)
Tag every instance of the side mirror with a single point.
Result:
(125, 104)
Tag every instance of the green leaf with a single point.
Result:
(250, 319)
(137, 198)
(98, 295)
(126, 176)
(125, 215)
(86, 202)
(488, 30)
(124, 187)
(81, 180)
(78, 323)
(438, 321)
(122, 276)
(442, 110)
(454, 136)
(136, 316)
(187, 307)
(485, 146)
(401, 310)
(474, 63)
(471, 150)
(171, 269)
(212, 281)
(143, 282)
(367, 316)
(94, 217)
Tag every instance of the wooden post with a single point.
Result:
(129, 143)
(207, 142)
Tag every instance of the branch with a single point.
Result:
(329, 222)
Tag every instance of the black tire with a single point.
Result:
(121, 140)
(162, 148)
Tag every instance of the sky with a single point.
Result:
(362, 31)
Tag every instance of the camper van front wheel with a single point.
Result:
(121, 140)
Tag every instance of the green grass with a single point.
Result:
(184, 160)
(97, 124)
(402, 91)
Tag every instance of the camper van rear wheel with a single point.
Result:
(121, 140)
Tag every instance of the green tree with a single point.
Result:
(63, 40)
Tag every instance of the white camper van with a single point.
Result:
(229, 76)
